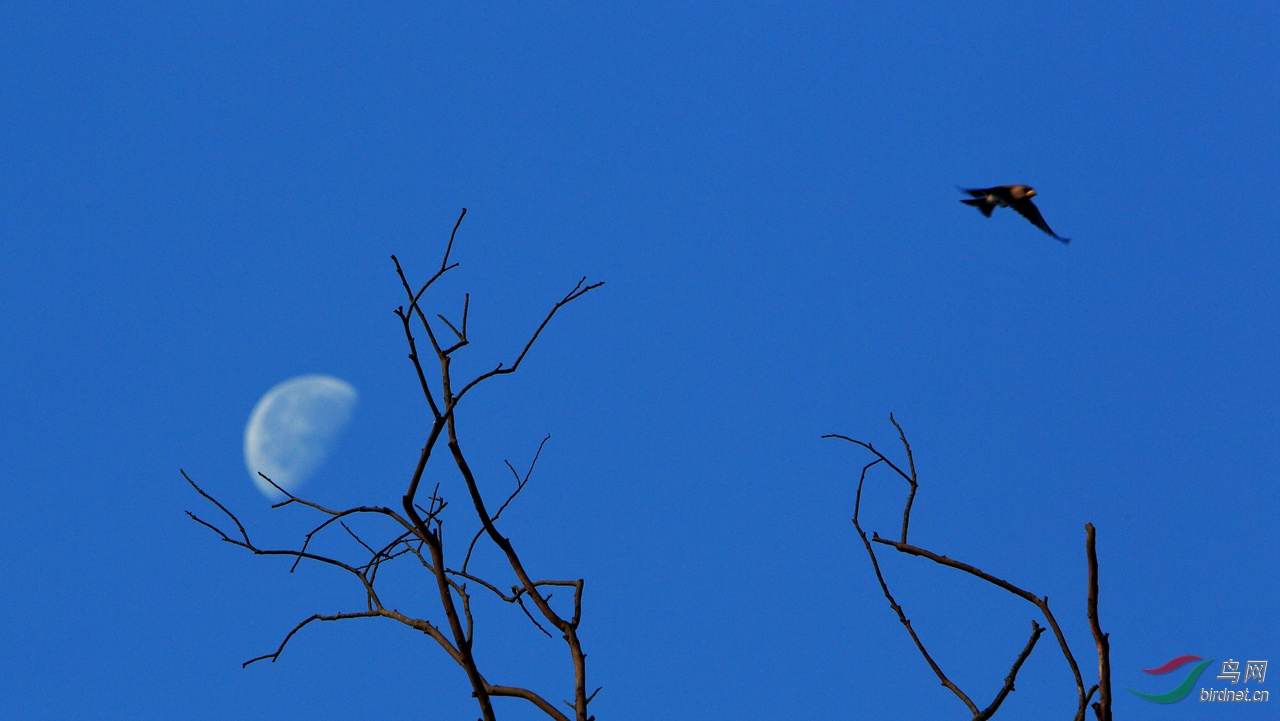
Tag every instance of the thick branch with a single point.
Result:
(1103, 707)
(461, 635)
(434, 543)
(568, 628)
(411, 494)
(487, 522)
(515, 692)
(445, 416)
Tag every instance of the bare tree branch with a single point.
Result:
(577, 292)
(524, 693)
(568, 628)
(911, 463)
(1041, 603)
(221, 507)
(413, 348)
(314, 617)
(1103, 707)
(909, 478)
(520, 483)
(884, 587)
(988, 712)
(419, 532)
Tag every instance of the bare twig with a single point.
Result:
(413, 348)
(520, 602)
(911, 463)
(456, 332)
(415, 309)
(221, 507)
(988, 712)
(444, 262)
(883, 458)
(466, 309)
(577, 292)
(352, 533)
(520, 484)
(314, 617)
(1080, 714)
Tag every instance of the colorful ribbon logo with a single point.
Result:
(1180, 692)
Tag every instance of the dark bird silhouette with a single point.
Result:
(1017, 197)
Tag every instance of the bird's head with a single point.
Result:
(1028, 192)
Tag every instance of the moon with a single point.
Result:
(292, 429)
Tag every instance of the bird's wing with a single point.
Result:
(1028, 210)
(980, 204)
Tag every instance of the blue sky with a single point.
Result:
(198, 202)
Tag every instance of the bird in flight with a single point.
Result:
(1017, 197)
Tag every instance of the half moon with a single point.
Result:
(292, 429)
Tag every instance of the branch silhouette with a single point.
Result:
(1101, 708)
(418, 531)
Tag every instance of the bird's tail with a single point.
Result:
(980, 204)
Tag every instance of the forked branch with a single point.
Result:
(419, 532)
(1102, 708)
